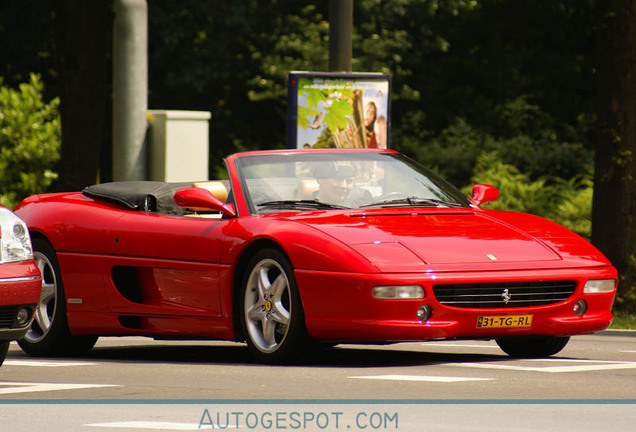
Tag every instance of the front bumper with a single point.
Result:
(339, 307)
(20, 288)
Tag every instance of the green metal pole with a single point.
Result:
(340, 35)
(130, 89)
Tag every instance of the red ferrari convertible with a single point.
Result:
(325, 246)
(20, 284)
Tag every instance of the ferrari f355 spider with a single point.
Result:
(301, 247)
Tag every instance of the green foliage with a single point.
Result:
(623, 321)
(335, 105)
(30, 138)
(325, 140)
(575, 209)
(568, 203)
(523, 136)
(453, 153)
(516, 191)
(298, 42)
(232, 59)
(337, 115)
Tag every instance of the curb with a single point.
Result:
(618, 332)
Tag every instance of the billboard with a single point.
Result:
(338, 110)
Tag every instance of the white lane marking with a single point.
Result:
(583, 366)
(13, 387)
(445, 379)
(150, 425)
(46, 363)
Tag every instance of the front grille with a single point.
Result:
(7, 315)
(494, 295)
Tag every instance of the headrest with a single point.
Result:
(216, 188)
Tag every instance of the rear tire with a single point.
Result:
(532, 346)
(49, 334)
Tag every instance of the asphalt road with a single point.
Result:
(141, 384)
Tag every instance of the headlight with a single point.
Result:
(599, 286)
(15, 241)
(398, 292)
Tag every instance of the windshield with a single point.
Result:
(296, 181)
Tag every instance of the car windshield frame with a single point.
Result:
(295, 181)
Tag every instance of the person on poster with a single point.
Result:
(380, 131)
(370, 115)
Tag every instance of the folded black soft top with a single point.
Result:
(140, 195)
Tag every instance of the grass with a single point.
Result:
(624, 321)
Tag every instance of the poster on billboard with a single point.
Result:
(338, 110)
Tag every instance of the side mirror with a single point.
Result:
(484, 193)
(199, 199)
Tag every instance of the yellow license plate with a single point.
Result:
(504, 321)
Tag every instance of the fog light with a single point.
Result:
(424, 313)
(22, 317)
(400, 292)
(580, 307)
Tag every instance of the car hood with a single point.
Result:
(404, 240)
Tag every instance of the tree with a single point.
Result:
(614, 202)
(29, 141)
(84, 35)
(67, 43)
(232, 59)
(28, 44)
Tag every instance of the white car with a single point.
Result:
(20, 281)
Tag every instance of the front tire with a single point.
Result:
(272, 318)
(532, 346)
(49, 334)
(4, 349)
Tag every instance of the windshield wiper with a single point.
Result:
(413, 202)
(300, 205)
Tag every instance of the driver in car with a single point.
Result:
(335, 183)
